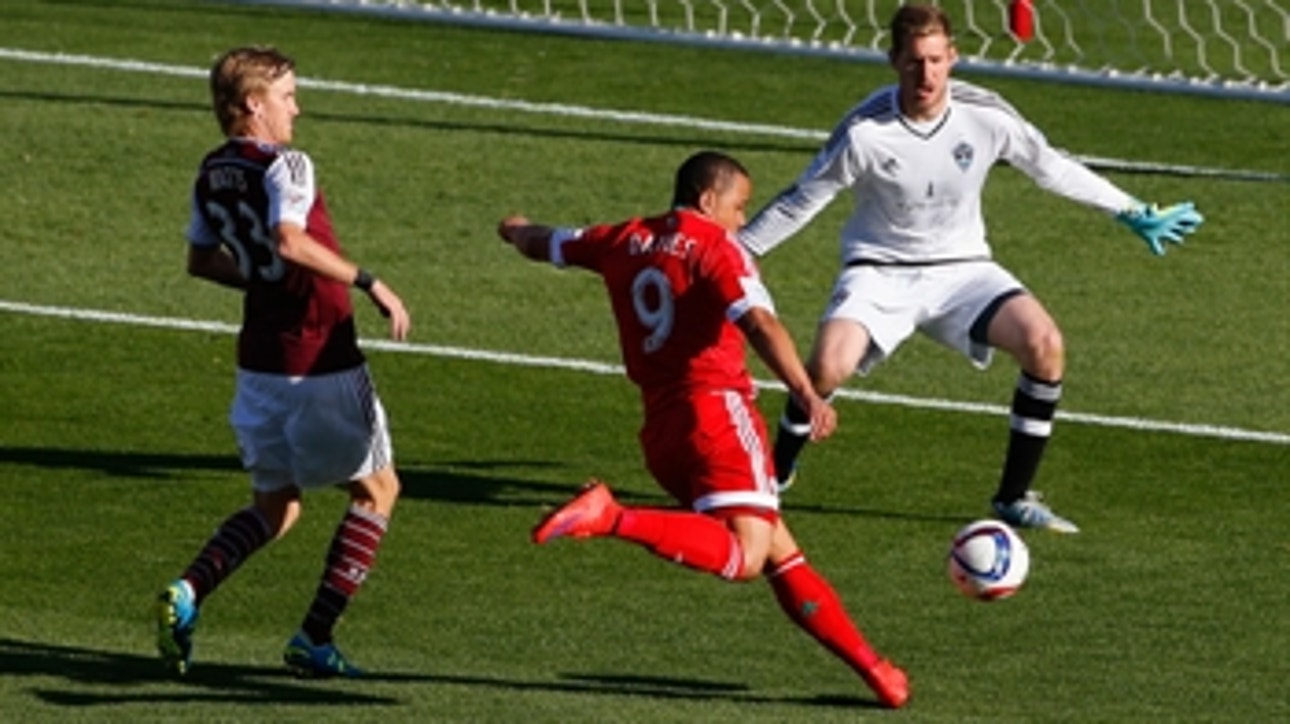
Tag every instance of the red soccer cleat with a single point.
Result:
(592, 512)
(889, 682)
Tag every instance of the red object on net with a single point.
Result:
(1021, 19)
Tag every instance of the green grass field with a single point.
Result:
(116, 461)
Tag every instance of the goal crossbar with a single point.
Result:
(1225, 48)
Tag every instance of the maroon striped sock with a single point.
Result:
(242, 534)
(352, 552)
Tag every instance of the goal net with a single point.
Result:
(1218, 47)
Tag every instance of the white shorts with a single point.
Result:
(942, 301)
(309, 432)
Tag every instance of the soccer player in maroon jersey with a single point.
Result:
(305, 411)
(685, 296)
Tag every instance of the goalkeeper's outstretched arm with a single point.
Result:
(791, 210)
(1059, 173)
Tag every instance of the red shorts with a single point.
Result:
(710, 452)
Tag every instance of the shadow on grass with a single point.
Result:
(139, 679)
(669, 687)
(464, 482)
(160, 466)
(460, 482)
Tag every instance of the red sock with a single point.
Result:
(350, 557)
(813, 605)
(690, 539)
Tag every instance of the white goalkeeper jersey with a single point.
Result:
(917, 186)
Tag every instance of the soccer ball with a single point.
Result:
(988, 560)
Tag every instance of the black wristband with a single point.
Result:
(364, 280)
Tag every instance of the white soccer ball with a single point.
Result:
(988, 560)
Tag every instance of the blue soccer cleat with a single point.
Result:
(176, 619)
(317, 662)
(1029, 511)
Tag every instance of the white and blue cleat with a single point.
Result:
(1029, 511)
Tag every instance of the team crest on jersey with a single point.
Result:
(963, 154)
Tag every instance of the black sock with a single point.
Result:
(794, 432)
(1034, 404)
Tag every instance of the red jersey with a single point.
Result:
(676, 283)
(294, 322)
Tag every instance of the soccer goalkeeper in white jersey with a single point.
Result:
(915, 258)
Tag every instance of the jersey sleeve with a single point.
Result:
(1054, 170)
(834, 168)
(289, 183)
(559, 238)
(583, 248)
(735, 279)
(199, 232)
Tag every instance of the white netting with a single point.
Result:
(1222, 47)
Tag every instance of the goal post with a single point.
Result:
(1228, 48)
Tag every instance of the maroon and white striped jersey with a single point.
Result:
(294, 322)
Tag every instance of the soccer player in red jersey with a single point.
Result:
(685, 296)
(305, 411)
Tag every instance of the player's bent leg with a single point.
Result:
(812, 603)
(378, 491)
(694, 540)
(793, 432)
(279, 508)
(1025, 330)
(839, 346)
(237, 538)
(350, 558)
(755, 534)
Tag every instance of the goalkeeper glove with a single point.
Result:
(1157, 226)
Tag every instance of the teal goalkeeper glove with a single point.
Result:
(1157, 226)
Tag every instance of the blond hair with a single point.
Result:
(239, 74)
(915, 21)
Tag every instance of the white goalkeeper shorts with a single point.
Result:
(309, 432)
(942, 301)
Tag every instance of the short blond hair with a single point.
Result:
(239, 74)
(916, 21)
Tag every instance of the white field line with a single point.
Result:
(601, 368)
(572, 111)
(555, 362)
